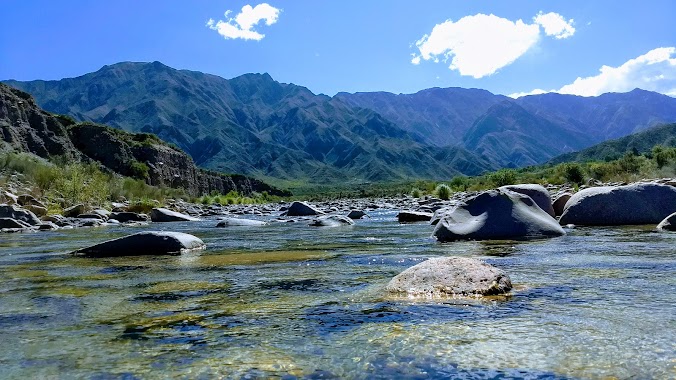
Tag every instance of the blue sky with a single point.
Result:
(331, 46)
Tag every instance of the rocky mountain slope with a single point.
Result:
(27, 128)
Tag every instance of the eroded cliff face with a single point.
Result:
(24, 127)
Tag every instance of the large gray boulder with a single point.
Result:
(17, 213)
(162, 215)
(638, 203)
(414, 216)
(537, 192)
(451, 276)
(302, 209)
(496, 214)
(331, 221)
(668, 224)
(237, 222)
(145, 243)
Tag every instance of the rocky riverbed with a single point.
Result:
(274, 294)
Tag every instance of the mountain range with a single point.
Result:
(257, 126)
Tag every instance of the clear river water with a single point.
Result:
(292, 301)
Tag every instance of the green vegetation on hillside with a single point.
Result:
(64, 184)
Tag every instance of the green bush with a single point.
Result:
(443, 192)
(503, 177)
(416, 193)
(460, 183)
(139, 170)
(573, 173)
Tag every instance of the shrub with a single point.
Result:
(503, 177)
(460, 183)
(416, 193)
(139, 170)
(573, 173)
(443, 192)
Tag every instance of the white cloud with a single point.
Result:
(242, 25)
(555, 25)
(653, 71)
(480, 45)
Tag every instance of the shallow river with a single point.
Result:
(292, 301)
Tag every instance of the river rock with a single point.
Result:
(668, 224)
(13, 223)
(14, 212)
(537, 192)
(560, 201)
(331, 221)
(47, 226)
(496, 214)
(145, 243)
(414, 216)
(451, 276)
(237, 222)
(37, 210)
(161, 215)
(634, 204)
(302, 209)
(27, 199)
(356, 214)
(126, 216)
(74, 211)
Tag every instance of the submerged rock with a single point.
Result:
(638, 203)
(302, 209)
(451, 276)
(668, 224)
(162, 215)
(537, 192)
(496, 214)
(331, 221)
(414, 216)
(237, 222)
(145, 243)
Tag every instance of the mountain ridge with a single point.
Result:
(255, 125)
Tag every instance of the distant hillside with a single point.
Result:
(252, 125)
(641, 142)
(26, 128)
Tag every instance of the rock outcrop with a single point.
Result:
(451, 276)
(638, 203)
(496, 214)
(145, 243)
